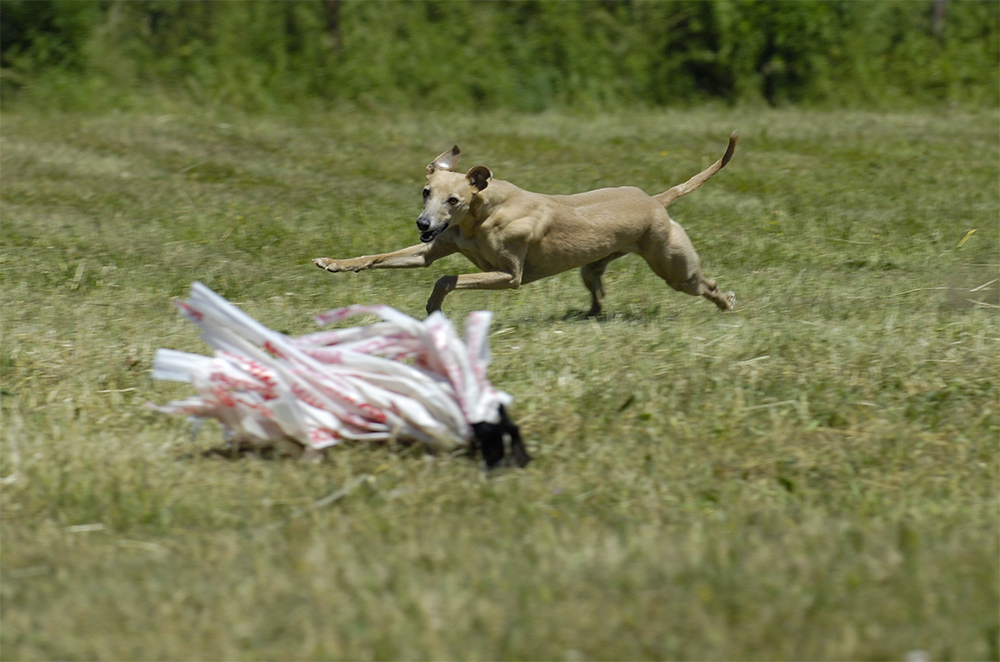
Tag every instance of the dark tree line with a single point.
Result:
(519, 54)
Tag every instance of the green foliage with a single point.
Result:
(35, 34)
(811, 476)
(526, 55)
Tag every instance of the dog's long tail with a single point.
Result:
(692, 184)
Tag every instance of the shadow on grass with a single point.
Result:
(240, 452)
(290, 451)
(608, 316)
(578, 316)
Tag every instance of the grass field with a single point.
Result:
(812, 476)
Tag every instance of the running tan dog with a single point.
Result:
(517, 237)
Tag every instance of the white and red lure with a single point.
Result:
(399, 378)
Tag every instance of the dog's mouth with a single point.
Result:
(431, 234)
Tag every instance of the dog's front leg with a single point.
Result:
(492, 280)
(420, 255)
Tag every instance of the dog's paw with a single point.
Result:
(327, 263)
(728, 300)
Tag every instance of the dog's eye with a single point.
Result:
(453, 201)
(427, 192)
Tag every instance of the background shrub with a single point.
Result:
(525, 55)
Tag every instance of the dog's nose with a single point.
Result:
(423, 224)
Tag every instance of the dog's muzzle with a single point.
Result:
(429, 235)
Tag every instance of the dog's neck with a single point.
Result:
(490, 199)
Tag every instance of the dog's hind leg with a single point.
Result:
(698, 285)
(591, 274)
(674, 260)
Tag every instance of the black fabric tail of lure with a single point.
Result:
(500, 443)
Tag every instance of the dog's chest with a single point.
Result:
(480, 252)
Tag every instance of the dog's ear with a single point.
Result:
(479, 177)
(446, 161)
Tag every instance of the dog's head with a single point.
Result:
(448, 195)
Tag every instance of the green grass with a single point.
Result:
(813, 476)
